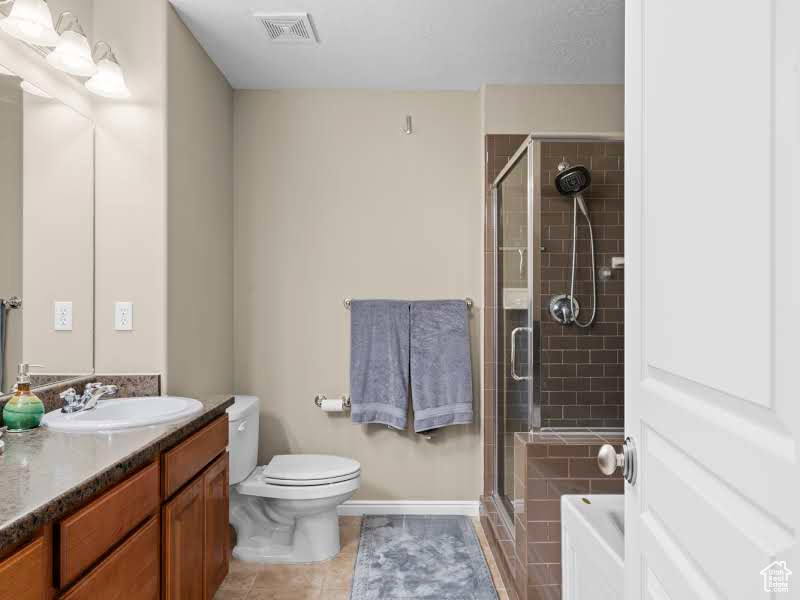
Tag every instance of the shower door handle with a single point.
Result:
(514, 333)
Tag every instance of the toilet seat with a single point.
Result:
(303, 477)
(256, 485)
(309, 469)
(307, 482)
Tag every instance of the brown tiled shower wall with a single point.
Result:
(581, 371)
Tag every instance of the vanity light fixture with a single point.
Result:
(109, 81)
(31, 22)
(29, 88)
(72, 54)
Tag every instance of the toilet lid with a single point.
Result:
(310, 469)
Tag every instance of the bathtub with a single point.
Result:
(592, 547)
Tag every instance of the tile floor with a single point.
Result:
(330, 580)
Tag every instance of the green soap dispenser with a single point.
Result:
(24, 411)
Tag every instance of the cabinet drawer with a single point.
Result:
(131, 572)
(22, 575)
(96, 528)
(188, 458)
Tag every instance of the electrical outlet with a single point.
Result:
(62, 316)
(123, 316)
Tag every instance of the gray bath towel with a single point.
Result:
(441, 372)
(379, 362)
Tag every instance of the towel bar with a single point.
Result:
(348, 302)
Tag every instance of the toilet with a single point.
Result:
(285, 511)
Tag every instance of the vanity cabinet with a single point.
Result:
(161, 533)
(192, 569)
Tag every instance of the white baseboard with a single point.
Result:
(357, 508)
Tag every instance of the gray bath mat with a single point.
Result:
(424, 558)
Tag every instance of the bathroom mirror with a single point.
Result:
(46, 235)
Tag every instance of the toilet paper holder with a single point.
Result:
(320, 397)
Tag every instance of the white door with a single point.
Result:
(712, 230)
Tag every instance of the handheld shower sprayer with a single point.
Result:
(572, 181)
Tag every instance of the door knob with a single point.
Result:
(609, 461)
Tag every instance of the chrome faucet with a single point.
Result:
(91, 394)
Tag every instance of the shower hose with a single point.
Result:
(574, 254)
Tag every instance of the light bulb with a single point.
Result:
(73, 55)
(31, 22)
(109, 81)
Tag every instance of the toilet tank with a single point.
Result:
(242, 437)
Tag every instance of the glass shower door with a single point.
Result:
(512, 196)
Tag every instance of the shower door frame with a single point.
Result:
(533, 146)
(527, 146)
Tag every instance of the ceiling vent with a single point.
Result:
(289, 28)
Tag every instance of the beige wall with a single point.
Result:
(57, 242)
(131, 189)
(552, 108)
(332, 200)
(200, 219)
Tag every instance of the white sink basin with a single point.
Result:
(593, 546)
(124, 413)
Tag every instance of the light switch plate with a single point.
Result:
(62, 316)
(123, 316)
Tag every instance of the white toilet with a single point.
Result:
(284, 512)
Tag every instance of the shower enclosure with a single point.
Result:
(554, 256)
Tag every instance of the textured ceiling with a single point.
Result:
(415, 44)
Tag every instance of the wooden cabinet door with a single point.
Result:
(217, 535)
(22, 575)
(183, 520)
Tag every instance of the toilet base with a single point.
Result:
(273, 531)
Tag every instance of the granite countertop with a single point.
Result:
(44, 475)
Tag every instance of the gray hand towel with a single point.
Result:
(379, 362)
(441, 371)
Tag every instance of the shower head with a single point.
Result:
(571, 181)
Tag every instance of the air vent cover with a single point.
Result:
(291, 28)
